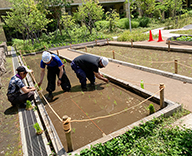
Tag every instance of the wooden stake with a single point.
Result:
(176, 65)
(70, 46)
(107, 41)
(85, 49)
(67, 129)
(57, 52)
(113, 54)
(131, 43)
(169, 45)
(162, 104)
(96, 42)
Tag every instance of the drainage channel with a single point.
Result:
(32, 144)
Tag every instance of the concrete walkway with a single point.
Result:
(175, 90)
(167, 33)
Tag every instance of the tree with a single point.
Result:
(147, 6)
(112, 16)
(89, 13)
(171, 6)
(26, 18)
(57, 6)
(67, 22)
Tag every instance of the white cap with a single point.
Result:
(46, 56)
(104, 61)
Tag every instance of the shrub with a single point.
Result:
(157, 13)
(121, 23)
(190, 12)
(136, 36)
(124, 23)
(143, 22)
(101, 25)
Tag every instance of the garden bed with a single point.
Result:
(106, 99)
(173, 40)
(157, 59)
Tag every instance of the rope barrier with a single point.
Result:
(184, 65)
(106, 116)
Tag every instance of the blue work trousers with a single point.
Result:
(82, 75)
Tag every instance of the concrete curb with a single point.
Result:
(165, 48)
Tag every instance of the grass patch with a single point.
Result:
(187, 32)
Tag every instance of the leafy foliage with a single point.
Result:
(151, 108)
(26, 18)
(68, 22)
(89, 13)
(28, 104)
(136, 36)
(150, 138)
(184, 38)
(124, 23)
(147, 6)
(102, 25)
(143, 22)
(112, 16)
(37, 127)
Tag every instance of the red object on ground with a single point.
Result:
(150, 36)
(160, 37)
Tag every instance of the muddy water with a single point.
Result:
(104, 100)
(146, 57)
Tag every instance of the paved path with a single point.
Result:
(175, 90)
(166, 33)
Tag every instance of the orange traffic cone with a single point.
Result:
(150, 36)
(160, 37)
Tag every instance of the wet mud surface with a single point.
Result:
(158, 59)
(106, 99)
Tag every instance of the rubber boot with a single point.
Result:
(50, 97)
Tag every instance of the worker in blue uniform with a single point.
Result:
(54, 67)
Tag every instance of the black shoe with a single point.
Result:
(49, 98)
(67, 89)
(84, 88)
(92, 84)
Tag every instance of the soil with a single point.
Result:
(146, 57)
(106, 99)
(10, 141)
